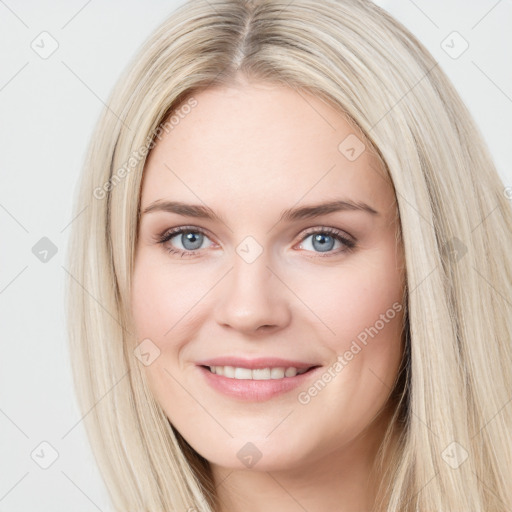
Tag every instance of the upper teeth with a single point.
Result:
(257, 373)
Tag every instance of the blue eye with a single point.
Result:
(192, 238)
(191, 241)
(323, 240)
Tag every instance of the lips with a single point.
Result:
(256, 379)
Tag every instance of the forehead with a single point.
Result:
(263, 143)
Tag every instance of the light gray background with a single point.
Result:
(48, 108)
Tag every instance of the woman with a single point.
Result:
(291, 281)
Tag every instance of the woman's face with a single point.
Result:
(263, 273)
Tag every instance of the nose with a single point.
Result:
(252, 298)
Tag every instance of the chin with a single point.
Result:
(257, 456)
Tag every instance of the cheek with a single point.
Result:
(361, 311)
(357, 301)
(162, 299)
(168, 307)
(157, 304)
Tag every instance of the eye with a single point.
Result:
(190, 238)
(324, 239)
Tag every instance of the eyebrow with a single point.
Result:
(289, 215)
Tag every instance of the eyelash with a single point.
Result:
(349, 244)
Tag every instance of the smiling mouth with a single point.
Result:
(239, 373)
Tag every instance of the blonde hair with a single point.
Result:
(455, 224)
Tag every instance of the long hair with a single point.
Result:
(453, 415)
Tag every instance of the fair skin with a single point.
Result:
(248, 152)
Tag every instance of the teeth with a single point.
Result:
(290, 372)
(277, 373)
(229, 371)
(243, 373)
(261, 374)
(256, 374)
